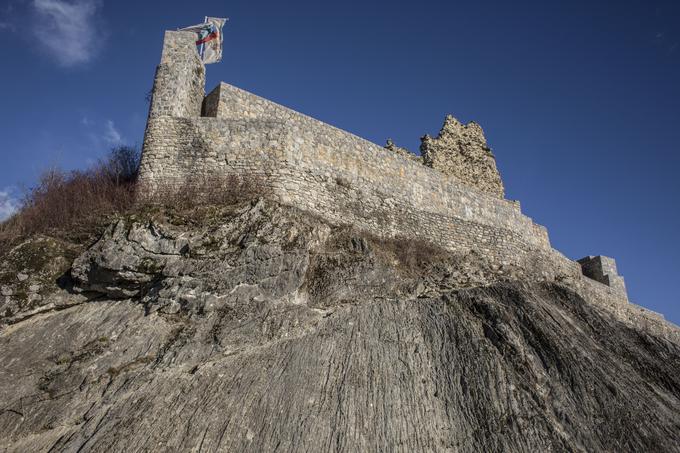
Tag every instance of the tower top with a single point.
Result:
(179, 84)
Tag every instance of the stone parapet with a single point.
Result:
(602, 269)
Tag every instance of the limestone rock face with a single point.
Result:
(460, 150)
(259, 328)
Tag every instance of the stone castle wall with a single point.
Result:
(319, 168)
(348, 175)
(179, 84)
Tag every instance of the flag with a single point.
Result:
(209, 39)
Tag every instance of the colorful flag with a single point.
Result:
(209, 42)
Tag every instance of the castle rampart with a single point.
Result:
(319, 168)
(603, 269)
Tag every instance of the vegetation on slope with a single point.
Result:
(76, 206)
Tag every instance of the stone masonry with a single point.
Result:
(461, 151)
(331, 173)
(603, 269)
(179, 84)
(390, 145)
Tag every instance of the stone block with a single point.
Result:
(603, 269)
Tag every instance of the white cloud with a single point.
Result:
(68, 30)
(111, 135)
(8, 204)
(8, 17)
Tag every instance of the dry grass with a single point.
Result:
(71, 204)
(207, 190)
(77, 205)
(413, 255)
(201, 200)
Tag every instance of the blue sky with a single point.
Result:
(579, 100)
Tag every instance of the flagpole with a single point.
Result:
(205, 21)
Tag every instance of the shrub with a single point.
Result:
(70, 204)
(413, 255)
(77, 205)
(122, 165)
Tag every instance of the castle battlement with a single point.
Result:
(455, 202)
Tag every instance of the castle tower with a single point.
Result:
(177, 94)
(179, 84)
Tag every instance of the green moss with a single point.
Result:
(63, 359)
(115, 371)
(150, 266)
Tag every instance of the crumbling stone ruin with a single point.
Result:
(460, 150)
(455, 200)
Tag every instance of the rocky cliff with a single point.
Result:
(257, 328)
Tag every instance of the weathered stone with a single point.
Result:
(603, 269)
(402, 151)
(461, 151)
(126, 258)
(412, 311)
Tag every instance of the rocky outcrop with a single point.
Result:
(460, 150)
(259, 328)
(129, 256)
(29, 274)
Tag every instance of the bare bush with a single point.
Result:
(77, 205)
(71, 204)
(122, 165)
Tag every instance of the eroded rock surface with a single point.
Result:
(257, 329)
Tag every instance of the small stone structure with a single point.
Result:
(455, 200)
(603, 269)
